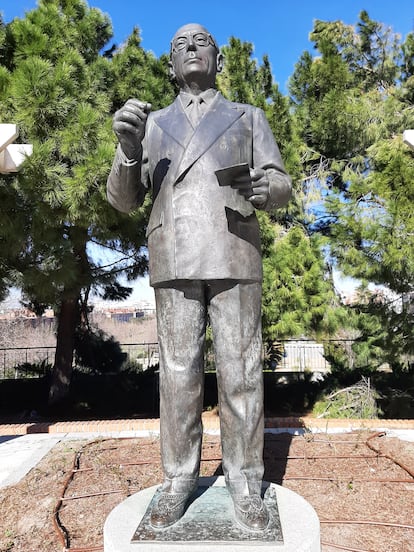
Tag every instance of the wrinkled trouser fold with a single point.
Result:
(234, 310)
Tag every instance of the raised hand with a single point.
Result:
(129, 126)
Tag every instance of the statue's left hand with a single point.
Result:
(254, 188)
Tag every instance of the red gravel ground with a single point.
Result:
(358, 483)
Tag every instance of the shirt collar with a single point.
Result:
(207, 96)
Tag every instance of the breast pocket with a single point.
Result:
(235, 145)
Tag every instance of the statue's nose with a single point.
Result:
(191, 45)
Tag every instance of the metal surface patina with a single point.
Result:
(209, 518)
(209, 163)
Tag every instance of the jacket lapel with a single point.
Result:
(174, 122)
(214, 124)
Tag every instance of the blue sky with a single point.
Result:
(278, 28)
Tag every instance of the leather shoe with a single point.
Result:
(168, 509)
(251, 512)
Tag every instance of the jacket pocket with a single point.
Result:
(154, 223)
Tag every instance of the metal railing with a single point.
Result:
(17, 362)
(23, 362)
(145, 354)
(290, 355)
(300, 356)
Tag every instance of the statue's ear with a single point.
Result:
(219, 62)
(171, 70)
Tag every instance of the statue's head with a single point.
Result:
(195, 57)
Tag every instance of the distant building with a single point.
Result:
(15, 314)
(124, 313)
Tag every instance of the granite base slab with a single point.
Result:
(208, 524)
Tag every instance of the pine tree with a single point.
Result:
(299, 299)
(352, 104)
(56, 94)
(59, 88)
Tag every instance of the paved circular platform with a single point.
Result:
(299, 523)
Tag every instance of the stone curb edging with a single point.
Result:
(209, 423)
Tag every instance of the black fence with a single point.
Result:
(292, 355)
(23, 362)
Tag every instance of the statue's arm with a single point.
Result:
(128, 181)
(266, 156)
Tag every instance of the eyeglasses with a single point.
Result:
(199, 38)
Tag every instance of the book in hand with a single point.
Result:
(226, 175)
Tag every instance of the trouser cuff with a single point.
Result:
(243, 487)
(179, 485)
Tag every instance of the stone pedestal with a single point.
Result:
(208, 524)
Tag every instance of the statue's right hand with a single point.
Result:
(129, 126)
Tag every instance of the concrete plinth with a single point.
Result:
(295, 525)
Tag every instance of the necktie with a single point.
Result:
(196, 112)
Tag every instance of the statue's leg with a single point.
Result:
(235, 316)
(181, 320)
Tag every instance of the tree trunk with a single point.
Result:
(62, 369)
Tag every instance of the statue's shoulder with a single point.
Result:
(239, 106)
(160, 116)
(164, 110)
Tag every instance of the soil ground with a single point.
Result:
(340, 475)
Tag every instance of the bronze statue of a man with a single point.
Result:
(204, 260)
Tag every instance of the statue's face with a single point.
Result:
(194, 56)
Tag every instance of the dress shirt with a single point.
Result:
(195, 106)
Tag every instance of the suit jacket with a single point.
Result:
(199, 230)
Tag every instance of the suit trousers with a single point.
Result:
(234, 311)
